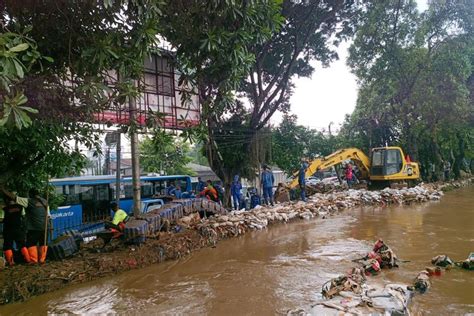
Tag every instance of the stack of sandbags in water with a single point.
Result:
(235, 223)
(352, 197)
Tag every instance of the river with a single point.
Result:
(284, 267)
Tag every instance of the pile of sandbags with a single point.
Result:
(237, 222)
(178, 212)
(352, 197)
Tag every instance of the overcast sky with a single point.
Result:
(329, 94)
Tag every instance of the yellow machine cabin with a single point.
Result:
(385, 164)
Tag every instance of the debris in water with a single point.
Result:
(442, 261)
(468, 264)
(422, 281)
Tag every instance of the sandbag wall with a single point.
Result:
(238, 222)
(152, 222)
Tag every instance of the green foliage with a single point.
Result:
(31, 156)
(55, 58)
(18, 53)
(255, 49)
(214, 41)
(311, 31)
(415, 72)
(165, 152)
(197, 156)
(292, 142)
(83, 41)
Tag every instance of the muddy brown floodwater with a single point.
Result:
(271, 271)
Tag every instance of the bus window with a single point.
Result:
(158, 187)
(102, 193)
(95, 202)
(128, 190)
(86, 193)
(72, 196)
(146, 189)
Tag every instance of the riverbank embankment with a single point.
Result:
(23, 282)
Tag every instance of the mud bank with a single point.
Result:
(23, 282)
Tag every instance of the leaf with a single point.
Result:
(111, 52)
(18, 68)
(19, 48)
(20, 99)
(28, 109)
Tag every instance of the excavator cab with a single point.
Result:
(389, 163)
(386, 161)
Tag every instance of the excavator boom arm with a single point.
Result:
(354, 154)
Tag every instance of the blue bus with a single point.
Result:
(86, 199)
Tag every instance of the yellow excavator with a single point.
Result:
(385, 165)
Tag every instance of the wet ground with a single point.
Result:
(266, 272)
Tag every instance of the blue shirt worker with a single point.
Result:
(177, 192)
(267, 181)
(201, 185)
(302, 180)
(236, 191)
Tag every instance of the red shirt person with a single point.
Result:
(209, 192)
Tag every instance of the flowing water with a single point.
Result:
(284, 267)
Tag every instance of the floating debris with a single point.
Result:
(442, 261)
(392, 299)
(352, 282)
(422, 281)
(468, 264)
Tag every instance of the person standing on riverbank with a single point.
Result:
(13, 230)
(267, 181)
(349, 175)
(236, 191)
(447, 170)
(302, 180)
(37, 219)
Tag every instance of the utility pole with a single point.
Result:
(258, 182)
(135, 156)
(118, 168)
(107, 161)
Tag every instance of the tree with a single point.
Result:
(292, 142)
(254, 48)
(165, 152)
(197, 156)
(414, 71)
(212, 41)
(30, 156)
(56, 57)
